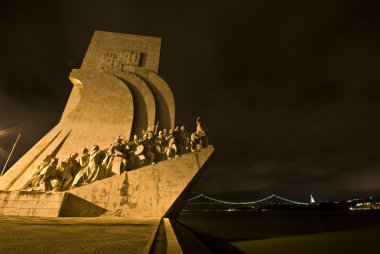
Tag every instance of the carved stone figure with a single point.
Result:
(165, 133)
(199, 139)
(84, 158)
(185, 141)
(83, 161)
(134, 143)
(172, 147)
(131, 160)
(46, 174)
(34, 178)
(94, 170)
(148, 144)
(200, 127)
(140, 156)
(160, 148)
(119, 149)
(70, 167)
(108, 160)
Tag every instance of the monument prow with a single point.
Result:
(149, 191)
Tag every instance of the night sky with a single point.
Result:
(289, 90)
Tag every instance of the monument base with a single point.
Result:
(46, 204)
(147, 192)
(150, 191)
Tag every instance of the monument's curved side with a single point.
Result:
(117, 93)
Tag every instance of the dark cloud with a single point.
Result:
(289, 90)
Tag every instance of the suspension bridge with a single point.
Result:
(203, 202)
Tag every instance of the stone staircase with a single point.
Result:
(46, 204)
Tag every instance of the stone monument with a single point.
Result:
(78, 170)
(116, 94)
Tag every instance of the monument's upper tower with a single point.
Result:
(116, 92)
(122, 51)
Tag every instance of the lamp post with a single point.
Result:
(10, 154)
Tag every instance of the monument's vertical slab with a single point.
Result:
(144, 102)
(163, 95)
(104, 112)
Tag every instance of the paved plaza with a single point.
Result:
(74, 235)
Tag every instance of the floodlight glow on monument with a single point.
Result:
(116, 149)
